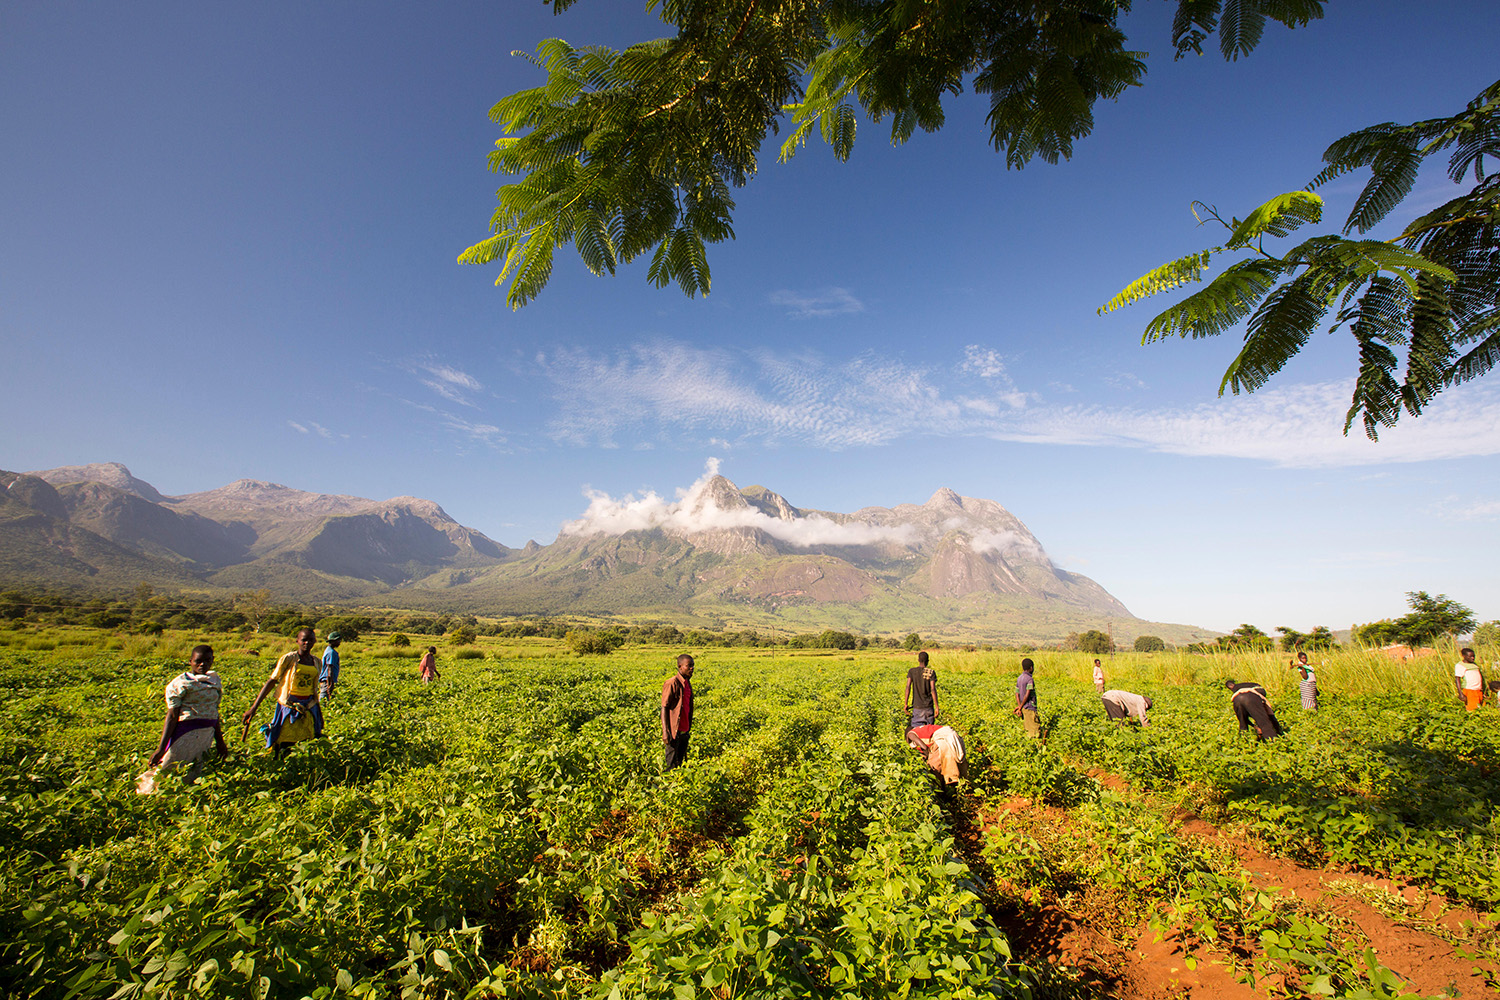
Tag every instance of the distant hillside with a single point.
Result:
(954, 566)
(98, 525)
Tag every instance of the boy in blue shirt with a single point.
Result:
(328, 676)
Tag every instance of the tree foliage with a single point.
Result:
(1096, 642)
(620, 153)
(1149, 644)
(1433, 616)
(1431, 293)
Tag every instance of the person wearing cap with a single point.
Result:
(1120, 705)
(328, 674)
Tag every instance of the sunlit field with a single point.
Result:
(508, 831)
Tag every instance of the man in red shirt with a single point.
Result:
(676, 713)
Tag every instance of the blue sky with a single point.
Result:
(229, 251)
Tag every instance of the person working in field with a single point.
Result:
(191, 723)
(942, 748)
(1098, 677)
(676, 713)
(1250, 704)
(1308, 684)
(1468, 680)
(298, 715)
(1121, 705)
(328, 675)
(921, 692)
(1026, 700)
(428, 667)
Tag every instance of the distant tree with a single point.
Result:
(349, 627)
(464, 635)
(1149, 644)
(1382, 633)
(667, 635)
(1321, 637)
(1095, 642)
(1071, 641)
(1431, 617)
(912, 641)
(253, 605)
(1290, 637)
(398, 639)
(589, 642)
(1247, 636)
(833, 639)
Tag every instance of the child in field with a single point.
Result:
(428, 666)
(1309, 683)
(298, 714)
(191, 723)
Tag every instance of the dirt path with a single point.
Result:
(1425, 959)
(1071, 943)
(1067, 937)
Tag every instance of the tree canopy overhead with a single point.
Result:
(1432, 293)
(624, 152)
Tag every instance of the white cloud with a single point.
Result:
(296, 427)
(671, 391)
(1454, 509)
(322, 431)
(828, 302)
(693, 511)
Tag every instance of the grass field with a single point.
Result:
(507, 831)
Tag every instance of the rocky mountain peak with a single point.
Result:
(945, 499)
(716, 492)
(109, 473)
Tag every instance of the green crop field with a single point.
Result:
(507, 831)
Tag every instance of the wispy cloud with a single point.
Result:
(828, 302)
(1457, 509)
(484, 433)
(451, 383)
(296, 427)
(668, 390)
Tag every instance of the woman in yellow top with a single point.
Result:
(298, 716)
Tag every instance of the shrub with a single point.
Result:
(464, 635)
(912, 641)
(398, 639)
(587, 643)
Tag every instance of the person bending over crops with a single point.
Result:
(1308, 684)
(1026, 700)
(1120, 705)
(921, 692)
(676, 713)
(942, 748)
(191, 723)
(428, 666)
(1468, 680)
(298, 715)
(1250, 704)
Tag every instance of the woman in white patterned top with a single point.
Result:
(191, 723)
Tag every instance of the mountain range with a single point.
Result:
(720, 555)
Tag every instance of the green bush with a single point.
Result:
(464, 635)
(398, 639)
(1149, 644)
